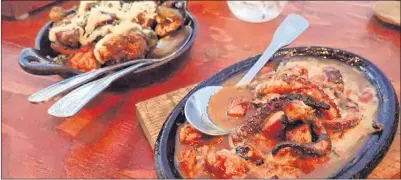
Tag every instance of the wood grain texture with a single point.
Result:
(152, 113)
(105, 140)
(16, 9)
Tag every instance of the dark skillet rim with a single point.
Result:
(372, 152)
(194, 25)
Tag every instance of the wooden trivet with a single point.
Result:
(153, 112)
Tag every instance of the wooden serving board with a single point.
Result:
(153, 112)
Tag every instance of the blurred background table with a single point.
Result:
(105, 140)
(21, 9)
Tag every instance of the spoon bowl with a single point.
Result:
(196, 111)
(171, 43)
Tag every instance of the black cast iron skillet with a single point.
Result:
(364, 161)
(35, 61)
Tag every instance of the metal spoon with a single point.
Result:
(74, 101)
(166, 47)
(197, 104)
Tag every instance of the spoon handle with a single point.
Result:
(259, 64)
(74, 101)
(63, 86)
(66, 85)
(292, 26)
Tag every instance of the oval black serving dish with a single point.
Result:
(365, 160)
(35, 61)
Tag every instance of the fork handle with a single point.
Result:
(66, 85)
(69, 84)
(74, 101)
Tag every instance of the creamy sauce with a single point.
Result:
(354, 138)
(83, 5)
(54, 30)
(95, 16)
(355, 81)
(220, 103)
(121, 28)
(86, 20)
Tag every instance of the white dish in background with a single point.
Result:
(256, 11)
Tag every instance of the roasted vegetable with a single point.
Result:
(168, 20)
(57, 14)
(114, 49)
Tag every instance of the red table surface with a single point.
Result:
(105, 139)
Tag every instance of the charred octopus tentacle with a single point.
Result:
(352, 118)
(317, 93)
(296, 84)
(378, 128)
(341, 123)
(307, 99)
(255, 122)
(249, 153)
(315, 149)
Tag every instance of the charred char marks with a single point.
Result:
(260, 162)
(253, 124)
(317, 148)
(281, 101)
(333, 75)
(241, 151)
(274, 177)
(249, 154)
(304, 148)
(285, 120)
(378, 128)
(308, 100)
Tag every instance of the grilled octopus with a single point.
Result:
(287, 128)
(333, 87)
(305, 106)
(302, 100)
